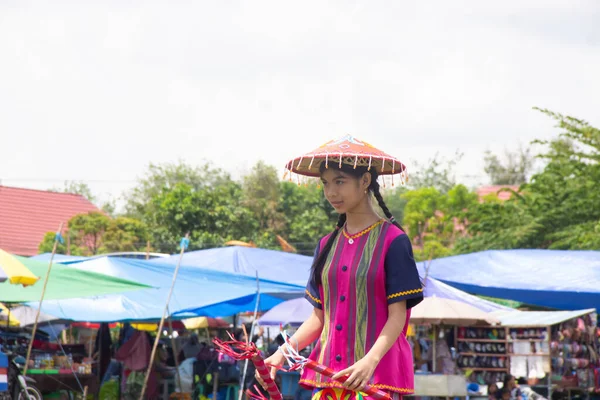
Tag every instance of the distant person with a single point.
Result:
(192, 348)
(492, 391)
(510, 384)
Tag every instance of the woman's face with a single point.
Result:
(343, 191)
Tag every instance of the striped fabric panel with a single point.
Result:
(329, 280)
(351, 300)
(363, 293)
(376, 261)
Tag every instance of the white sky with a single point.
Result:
(94, 91)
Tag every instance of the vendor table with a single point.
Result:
(47, 383)
(440, 385)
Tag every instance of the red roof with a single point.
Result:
(497, 189)
(26, 215)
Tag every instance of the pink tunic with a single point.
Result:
(360, 280)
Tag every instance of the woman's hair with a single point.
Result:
(319, 261)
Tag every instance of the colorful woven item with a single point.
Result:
(296, 361)
(247, 351)
(336, 394)
(349, 151)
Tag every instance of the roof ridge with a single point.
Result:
(44, 191)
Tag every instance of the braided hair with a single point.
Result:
(319, 261)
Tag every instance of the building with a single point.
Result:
(26, 215)
(502, 191)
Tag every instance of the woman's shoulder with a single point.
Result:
(392, 232)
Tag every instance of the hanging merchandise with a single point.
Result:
(482, 354)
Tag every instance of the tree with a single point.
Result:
(308, 215)
(76, 187)
(558, 209)
(124, 234)
(436, 172)
(211, 215)
(95, 233)
(89, 229)
(161, 177)
(396, 201)
(261, 195)
(435, 220)
(513, 170)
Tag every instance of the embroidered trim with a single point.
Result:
(413, 291)
(313, 298)
(320, 385)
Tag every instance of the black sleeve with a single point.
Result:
(312, 291)
(402, 280)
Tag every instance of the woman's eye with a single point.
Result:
(339, 182)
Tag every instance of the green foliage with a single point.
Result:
(437, 173)
(308, 215)
(558, 209)
(435, 220)
(160, 177)
(513, 170)
(76, 187)
(211, 215)
(95, 233)
(89, 229)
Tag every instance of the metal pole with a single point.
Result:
(37, 315)
(162, 320)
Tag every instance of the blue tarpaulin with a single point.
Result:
(296, 311)
(270, 264)
(567, 280)
(58, 258)
(197, 292)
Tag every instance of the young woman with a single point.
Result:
(363, 279)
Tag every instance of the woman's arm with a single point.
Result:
(390, 332)
(360, 373)
(309, 331)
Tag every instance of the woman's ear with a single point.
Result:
(365, 180)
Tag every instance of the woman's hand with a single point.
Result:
(358, 374)
(276, 360)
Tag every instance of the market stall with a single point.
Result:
(441, 313)
(553, 350)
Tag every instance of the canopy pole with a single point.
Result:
(184, 243)
(175, 353)
(57, 237)
(242, 389)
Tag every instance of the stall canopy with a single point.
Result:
(66, 282)
(559, 279)
(270, 264)
(296, 311)
(58, 258)
(537, 319)
(198, 292)
(433, 287)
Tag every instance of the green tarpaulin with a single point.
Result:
(64, 283)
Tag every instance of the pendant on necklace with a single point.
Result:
(350, 241)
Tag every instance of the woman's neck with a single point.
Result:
(361, 217)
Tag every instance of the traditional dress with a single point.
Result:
(362, 275)
(360, 280)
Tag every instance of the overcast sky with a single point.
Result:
(95, 91)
